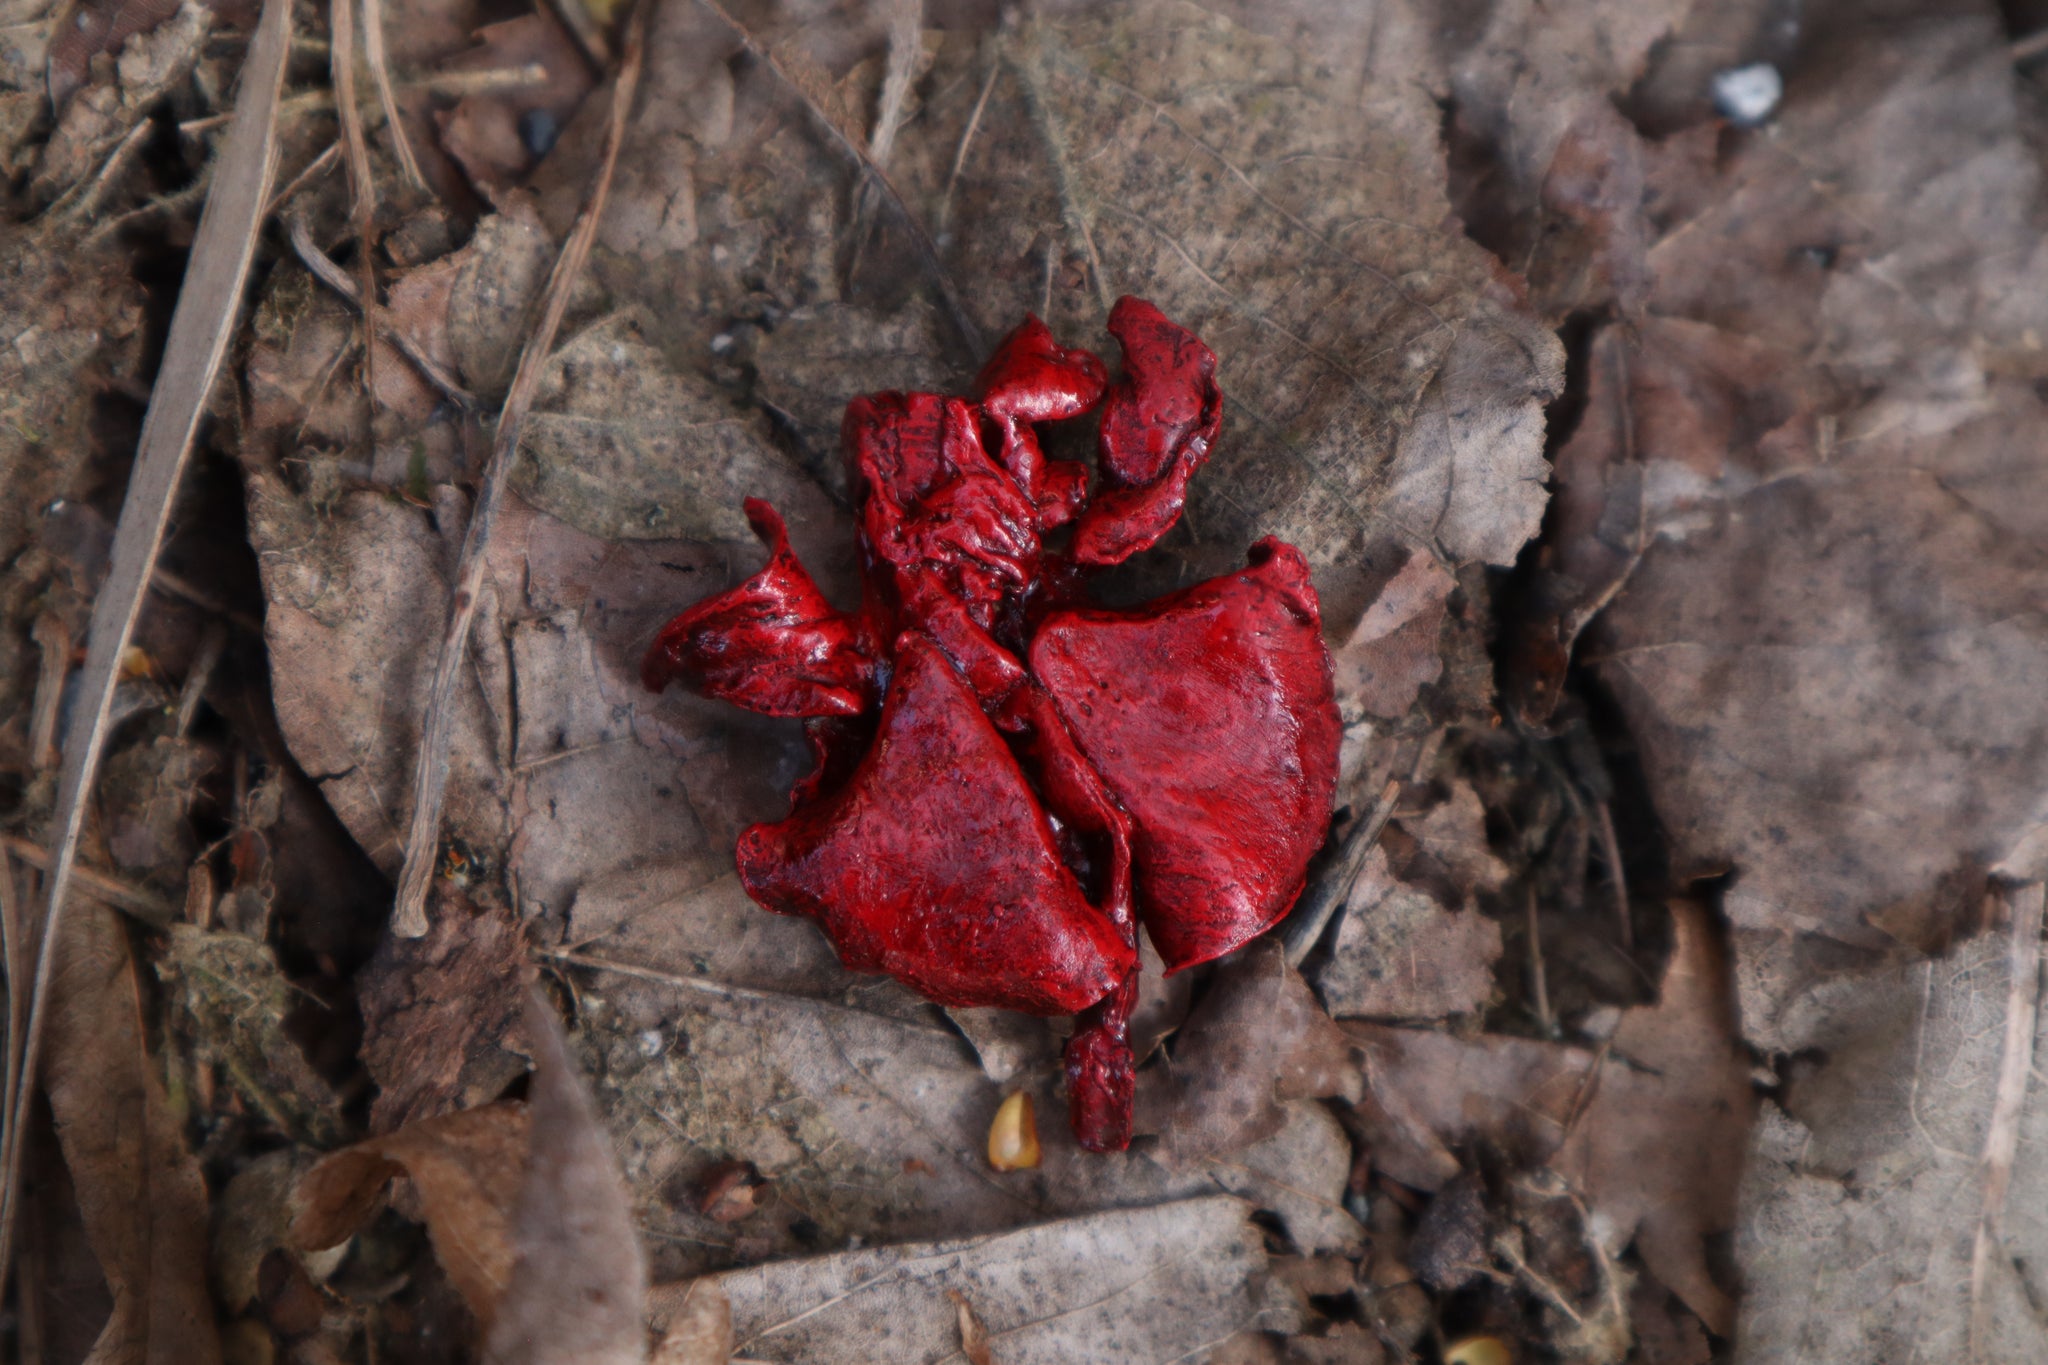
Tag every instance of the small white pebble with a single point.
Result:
(650, 1042)
(1599, 1023)
(721, 343)
(1748, 95)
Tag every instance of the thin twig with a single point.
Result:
(176, 204)
(201, 326)
(720, 990)
(213, 639)
(1589, 1086)
(380, 72)
(318, 166)
(53, 637)
(927, 253)
(87, 203)
(454, 84)
(1305, 927)
(906, 30)
(1507, 1250)
(13, 932)
(1610, 849)
(988, 87)
(2002, 1137)
(334, 277)
(172, 585)
(1539, 984)
(430, 773)
(355, 150)
(103, 886)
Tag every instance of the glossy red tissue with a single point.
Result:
(1009, 778)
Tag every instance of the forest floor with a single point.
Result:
(1657, 392)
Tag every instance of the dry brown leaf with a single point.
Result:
(353, 630)
(578, 1286)
(665, 778)
(1400, 954)
(140, 1191)
(441, 1014)
(695, 919)
(1446, 849)
(466, 1170)
(93, 28)
(252, 1219)
(1825, 652)
(1427, 1091)
(1258, 1039)
(1860, 1204)
(1140, 1284)
(820, 358)
(699, 1324)
(872, 1119)
(1453, 1243)
(730, 1190)
(60, 1292)
(652, 225)
(1379, 392)
(299, 337)
(1665, 1333)
(1526, 73)
(1393, 652)
(876, 1126)
(98, 117)
(623, 446)
(209, 301)
(484, 133)
(558, 739)
(86, 336)
(503, 268)
(1006, 1043)
(1653, 1142)
(1660, 1159)
(525, 1210)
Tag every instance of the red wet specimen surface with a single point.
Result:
(1211, 716)
(990, 833)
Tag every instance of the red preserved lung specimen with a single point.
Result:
(1009, 779)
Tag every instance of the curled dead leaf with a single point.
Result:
(465, 1169)
(140, 1193)
(730, 1190)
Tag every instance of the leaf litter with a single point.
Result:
(1776, 625)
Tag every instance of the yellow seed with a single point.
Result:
(1013, 1137)
(1479, 1351)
